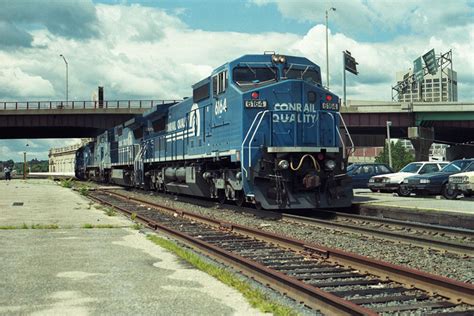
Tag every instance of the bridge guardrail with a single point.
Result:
(81, 105)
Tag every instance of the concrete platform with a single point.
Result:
(433, 210)
(79, 271)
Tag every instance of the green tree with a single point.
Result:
(400, 156)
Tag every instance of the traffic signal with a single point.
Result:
(349, 63)
(430, 61)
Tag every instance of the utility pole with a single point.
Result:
(327, 49)
(389, 145)
(67, 79)
(24, 165)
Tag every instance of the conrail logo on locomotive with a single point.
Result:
(193, 128)
(291, 112)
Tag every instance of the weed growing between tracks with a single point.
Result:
(66, 183)
(255, 297)
(32, 226)
(100, 226)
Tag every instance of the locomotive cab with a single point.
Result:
(293, 154)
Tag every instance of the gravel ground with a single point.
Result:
(445, 264)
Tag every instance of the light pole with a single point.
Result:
(389, 146)
(327, 50)
(67, 97)
(24, 160)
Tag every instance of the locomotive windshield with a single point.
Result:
(248, 76)
(308, 74)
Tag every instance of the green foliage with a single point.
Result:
(99, 226)
(34, 165)
(110, 212)
(133, 216)
(66, 183)
(400, 156)
(33, 226)
(137, 226)
(84, 190)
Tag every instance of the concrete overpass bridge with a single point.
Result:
(73, 119)
(422, 122)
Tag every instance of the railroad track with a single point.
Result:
(329, 280)
(441, 238)
(455, 240)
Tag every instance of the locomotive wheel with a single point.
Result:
(239, 198)
(221, 196)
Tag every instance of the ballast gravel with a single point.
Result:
(431, 261)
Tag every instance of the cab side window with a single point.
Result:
(219, 83)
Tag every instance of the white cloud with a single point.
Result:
(145, 52)
(15, 81)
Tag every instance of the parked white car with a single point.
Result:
(463, 182)
(391, 182)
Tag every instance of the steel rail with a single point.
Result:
(454, 290)
(383, 220)
(464, 249)
(312, 296)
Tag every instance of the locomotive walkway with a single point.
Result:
(61, 267)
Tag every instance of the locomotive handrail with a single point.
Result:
(253, 136)
(347, 131)
(245, 138)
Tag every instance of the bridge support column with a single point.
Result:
(421, 139)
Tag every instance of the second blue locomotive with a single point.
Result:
(259, 129)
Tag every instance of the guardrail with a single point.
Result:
(81, 105)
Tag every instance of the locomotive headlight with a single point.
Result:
(283, 164)
(275, 58)
(282, 59)
(330, 164)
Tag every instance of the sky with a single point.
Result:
(158, 49)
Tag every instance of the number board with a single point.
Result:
(330, 106)
(255, 103)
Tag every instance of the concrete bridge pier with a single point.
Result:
(421, 139)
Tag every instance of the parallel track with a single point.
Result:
(440, 238)
(329, 280)
(423, 235)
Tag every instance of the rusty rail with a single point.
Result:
(455, 291)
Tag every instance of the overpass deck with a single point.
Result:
(72, 119)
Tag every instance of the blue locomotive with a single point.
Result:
(260, 129)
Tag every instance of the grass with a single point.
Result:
(32, 226)
(66, 183)
(110, 212)
(100, 226)
(256, 298)
(46, 226)
(83, 190)
(137, 226)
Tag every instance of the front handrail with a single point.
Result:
(245, 138)
(253, 136)
(81, 105)
(347, 132)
